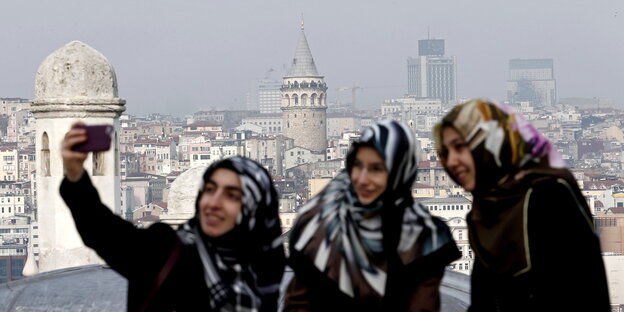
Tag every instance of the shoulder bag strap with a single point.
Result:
(162, 275)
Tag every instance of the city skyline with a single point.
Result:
(177, 58)
(157, 158)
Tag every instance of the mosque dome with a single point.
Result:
(76, 70)
(182, 196)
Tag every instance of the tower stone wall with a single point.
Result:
(76, 82)
(304, 112)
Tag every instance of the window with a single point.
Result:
(98, 163)
(45, 155)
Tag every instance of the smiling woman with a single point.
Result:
(229, 255)
(459, 162)
(369, 175)
(363, 244)
(220, 203)
(520, 186)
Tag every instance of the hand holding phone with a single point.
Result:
(98, 139)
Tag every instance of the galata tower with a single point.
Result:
(304, 101)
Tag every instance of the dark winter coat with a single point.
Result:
(137, 254)
(566, 271)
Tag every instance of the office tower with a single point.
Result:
(532, 80)
(265, 95)
(432, 74)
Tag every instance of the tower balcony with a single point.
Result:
(304, 86)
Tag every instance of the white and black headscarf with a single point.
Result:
(244, 267)
(350, 242)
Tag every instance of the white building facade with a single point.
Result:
(76, 82)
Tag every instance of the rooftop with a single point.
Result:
(96, 288)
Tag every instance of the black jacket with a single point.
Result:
(566, 272)
(137, 254)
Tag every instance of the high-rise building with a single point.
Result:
(532, 80)
(265, 95)
(433, 47)
(432, 74)
(304, 105)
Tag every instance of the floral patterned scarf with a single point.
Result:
(505, 149)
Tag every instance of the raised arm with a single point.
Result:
(73, 161)
(125, 248)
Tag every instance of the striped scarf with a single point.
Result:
(345, 239)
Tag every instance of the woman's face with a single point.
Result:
(369, 175)
(220, 202)
(459, 162)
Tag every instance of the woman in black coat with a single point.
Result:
(229, 257)
(530, 226)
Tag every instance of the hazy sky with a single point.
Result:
(181, 56)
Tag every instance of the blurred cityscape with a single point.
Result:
(293, 128)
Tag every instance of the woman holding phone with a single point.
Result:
(228, 257)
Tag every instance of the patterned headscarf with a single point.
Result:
(243, 268)
(350, 243)
(509, 153)
(501, 141)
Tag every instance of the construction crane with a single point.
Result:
(355, 88)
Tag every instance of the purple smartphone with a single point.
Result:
(98, 139)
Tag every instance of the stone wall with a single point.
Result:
(307, 126)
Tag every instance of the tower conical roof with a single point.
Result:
(303, 63)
